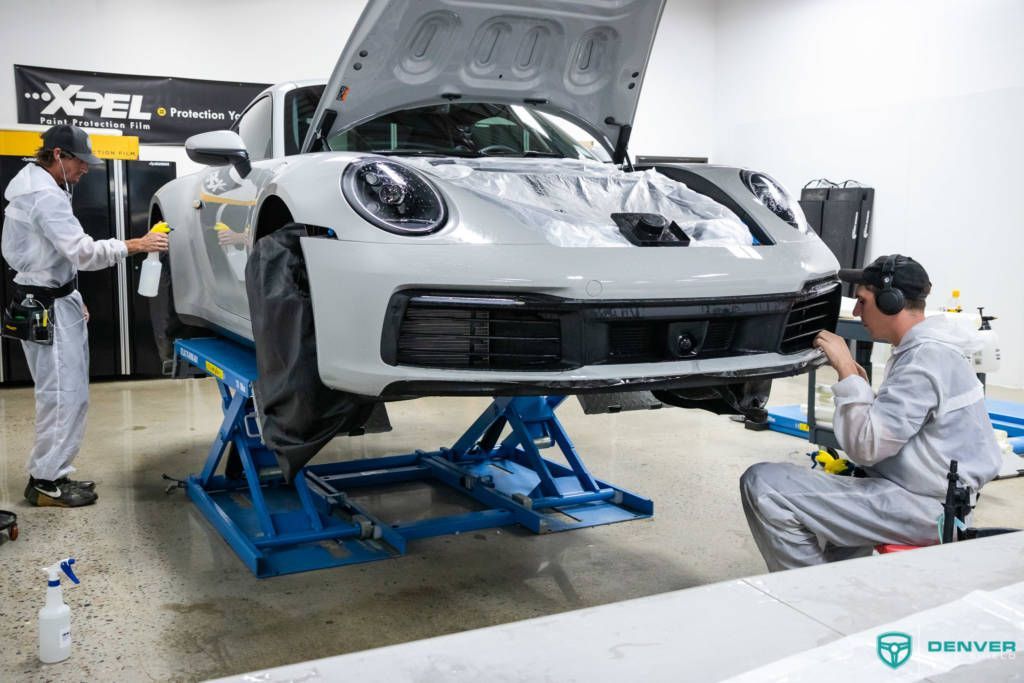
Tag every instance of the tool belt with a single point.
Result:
(29, 315)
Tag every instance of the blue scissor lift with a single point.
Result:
(312, 523)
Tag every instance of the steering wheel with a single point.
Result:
(498, 148)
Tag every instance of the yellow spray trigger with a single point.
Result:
(830, 463)
(220, 227)
(161, 227)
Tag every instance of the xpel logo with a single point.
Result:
(73, 101)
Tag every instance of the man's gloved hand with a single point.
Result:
(837, 350)
(834, 465)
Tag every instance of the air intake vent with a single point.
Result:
(485, 339)
(807, 318)
(719, 336)
(640, 342)
(503, 331)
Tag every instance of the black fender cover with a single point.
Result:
(298, 414)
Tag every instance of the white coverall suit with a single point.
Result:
(46, 245)
(930, 409)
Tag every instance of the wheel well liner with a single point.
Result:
(273, 215)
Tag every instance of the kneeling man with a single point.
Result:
(929, 410)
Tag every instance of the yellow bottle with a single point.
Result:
(953, 306)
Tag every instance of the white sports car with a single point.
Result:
(455, 212)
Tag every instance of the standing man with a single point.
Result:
(930, 409)
(46, 245)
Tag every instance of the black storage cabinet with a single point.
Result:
(842, 217)
(143, 179)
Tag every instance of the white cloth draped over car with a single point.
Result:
(571, 203)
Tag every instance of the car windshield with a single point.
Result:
(473, 130)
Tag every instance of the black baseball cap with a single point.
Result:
(73, 140)
(909, 276)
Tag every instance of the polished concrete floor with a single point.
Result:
(164, 598)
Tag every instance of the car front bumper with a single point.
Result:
(354, 285)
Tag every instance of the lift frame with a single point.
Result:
(312, 523)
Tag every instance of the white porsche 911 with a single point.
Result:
(454, 212)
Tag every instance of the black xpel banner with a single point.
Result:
(156, 109)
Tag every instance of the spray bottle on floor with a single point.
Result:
(55, 616)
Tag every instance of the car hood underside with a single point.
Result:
(583, 58)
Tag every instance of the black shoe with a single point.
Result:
(85, 484)
(43, 493)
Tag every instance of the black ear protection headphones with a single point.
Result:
(890, 300)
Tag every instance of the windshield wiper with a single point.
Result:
(548, 155)
(425, 153)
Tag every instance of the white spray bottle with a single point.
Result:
(55, 616)
(989, 358)
(149, 277)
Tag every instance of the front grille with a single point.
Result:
(636, 342)
(481, 339)
(649, 341)
(807, 318)
(719, 336)
(484, 331)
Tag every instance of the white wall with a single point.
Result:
(674, 115)
(259, 41)
(267, 41)
(921, 99)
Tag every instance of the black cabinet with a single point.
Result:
(12, 364)
(812, 201)
(92, 203)
(110, 201)
(143, 179)
(842, 217)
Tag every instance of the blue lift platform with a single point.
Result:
(1005, 415)
(313, 523)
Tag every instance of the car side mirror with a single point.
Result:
(219, 148)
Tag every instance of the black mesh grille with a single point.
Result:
(647, 341)
(719, 336)
(809, 317)
(482, 331)
(636, 342)
(479, 339)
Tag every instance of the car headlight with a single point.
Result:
(394, 197)
(774, 196)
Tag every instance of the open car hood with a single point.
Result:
(583, 59)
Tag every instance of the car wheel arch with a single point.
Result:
(273, 215)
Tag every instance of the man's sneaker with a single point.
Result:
(43, 493)
(86, 484)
